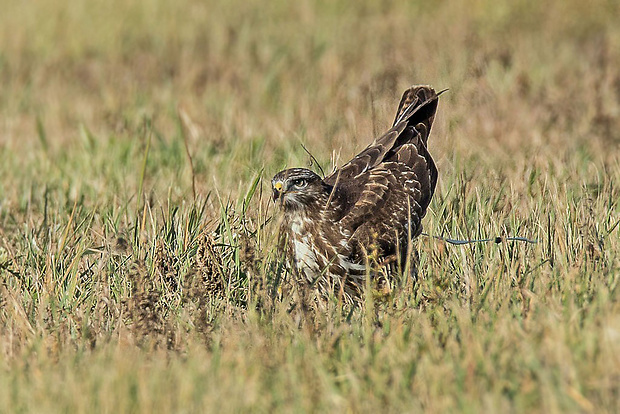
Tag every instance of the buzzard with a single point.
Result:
(359, 221)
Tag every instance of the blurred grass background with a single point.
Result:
(123, 290)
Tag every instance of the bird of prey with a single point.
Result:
(360, 220)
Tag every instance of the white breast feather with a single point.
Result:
(305, 256)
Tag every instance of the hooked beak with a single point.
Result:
(277, 190)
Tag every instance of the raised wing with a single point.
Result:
(389, 185)
(418, 105)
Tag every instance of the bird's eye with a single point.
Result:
(301, 183)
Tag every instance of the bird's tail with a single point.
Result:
(418, 106)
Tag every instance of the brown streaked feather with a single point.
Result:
(404, 145)
(406, 195)
(366, 159)
(375, 202)
(373, 192)
(409, 96)
(421, 109)
(415, 97)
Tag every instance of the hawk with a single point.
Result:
(360, 220)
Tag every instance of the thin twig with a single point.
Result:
(313, 160)
(496, 240)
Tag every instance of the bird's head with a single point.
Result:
(297, 188)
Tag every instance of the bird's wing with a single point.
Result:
(418, 105)
(394, 177)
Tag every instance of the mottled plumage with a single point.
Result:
(360, 219)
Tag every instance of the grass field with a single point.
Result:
(137, 141)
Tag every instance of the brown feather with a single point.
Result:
(375, 202)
